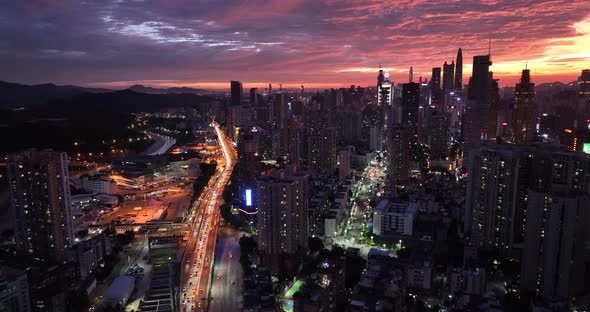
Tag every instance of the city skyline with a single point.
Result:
(319, 44)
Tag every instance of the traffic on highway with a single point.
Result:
(197, 260)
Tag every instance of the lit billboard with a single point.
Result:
(586, 148)
(248, 194)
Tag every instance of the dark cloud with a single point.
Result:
(329, 41)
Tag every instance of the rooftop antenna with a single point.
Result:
(490, 47)
(526, 64)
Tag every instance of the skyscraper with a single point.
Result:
(40, 201)
(236, 93)
(282, 200)
(436, 92)
(380, 77)
(459, 72)
(479, 114)
(524, 114)
(253, 97)
(448, 79)
(411, 78)
(385, 92)
(410, 108)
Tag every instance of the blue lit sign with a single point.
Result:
(249, 197)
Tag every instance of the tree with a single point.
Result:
(315, 244)
(354, 270)
(77, 301)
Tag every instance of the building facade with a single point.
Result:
(282, 202)
(40, 200)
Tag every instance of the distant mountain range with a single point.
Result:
(14, 94)
(150, 90)
(49, 97)
(556, 86)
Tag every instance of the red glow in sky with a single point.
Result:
(315, 43)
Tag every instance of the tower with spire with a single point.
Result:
(525, 110)
(411, 78)
(459, 72)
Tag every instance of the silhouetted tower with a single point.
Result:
(459, 72)
(524, 114)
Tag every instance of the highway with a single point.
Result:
(195, 277)
(226, 290)
(161, 145)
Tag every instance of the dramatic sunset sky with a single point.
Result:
(318, 43)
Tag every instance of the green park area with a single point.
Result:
(295, 288)
(162, 257)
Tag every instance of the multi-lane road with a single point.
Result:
(226, 291)
(196, 267)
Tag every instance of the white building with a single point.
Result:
(392, 218)
(96, 184)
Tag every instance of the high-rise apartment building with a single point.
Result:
(282, 201)
(500, 178)
(399, 154)
(322, 151)
(524, 114)
(555, 243)
(439, 137)
(40, 200)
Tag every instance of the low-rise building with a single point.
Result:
(467, 281)
(96, 184)
(391, 218)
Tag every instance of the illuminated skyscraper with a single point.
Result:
(236, 93)
(459, 72)
(40, 200)
(385, 92)
(524, 114)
